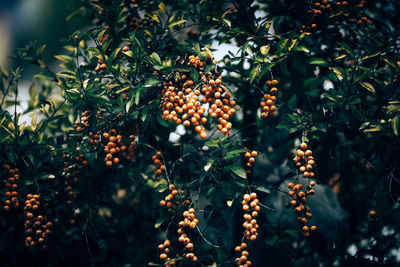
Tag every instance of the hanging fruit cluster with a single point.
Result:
(183, 101)
(94, 139)
(242, 260)
(250, 207)
(268, 104)
(336, 11)
(304, 161)
(250, 159)
(84, 122)
(168, 200)
(189, 221)
(11, 194)
(157, 159)
(298, 202)
(101, 66)
(71, 171)
(37, 227)
(164, 247)
(116, 147)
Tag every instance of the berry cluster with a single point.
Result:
(167, 202)
(116, 146)
(71, 171)
(268, 104)
(304, 161)
(184, 102)
(11, 194)
(84, 122)
(94, 139)
(164, 255)
(349, 11)
(189, 221)
(101, 66)
(37, 228)
(298, 200)
(250, 207)
(250, 159)
(157, 159)
(242, 260)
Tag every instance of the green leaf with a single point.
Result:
(395, 124)
(159, 222)
(264, 49)
(128, 53)
(161, 188)
(176, 23)
(347, 49)
(253, 73)
(236, 169)
(368, 86)
(263, 189)
(64, 58)
(370, 56)
(317, 61)
(195, 75)
(233, 153)
(294, 41)
(156, 58)
(211, 143)
(340, 57)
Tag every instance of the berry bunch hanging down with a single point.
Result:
(11, 194)
(304, 161)
(116, 147)
(268, 104)
(84, 121)
(168, 200)
(350, 11)
(37, 226)
(164, 247)
(298, 202)
(184, 98)
(157, 159)
(189, 221)
(242, 260)
(251, 208)
(250, 159)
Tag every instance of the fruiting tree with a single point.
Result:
(174, 133)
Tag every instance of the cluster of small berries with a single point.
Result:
(336, 10)
(157, 159)
(183, 102)
(268, 104)
(242, 260)
(250, 207)
(94, 139)
(168, 200)
(37, 228)
(189, 221)
(11, 194)
(101, 66)
(116, 146)
(164, 255)
(84, 122)
(71, 171)
(250, 159)
(304, 161)
(298, 202)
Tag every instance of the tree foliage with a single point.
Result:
(108, 140)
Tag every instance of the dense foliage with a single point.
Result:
(143, 149)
